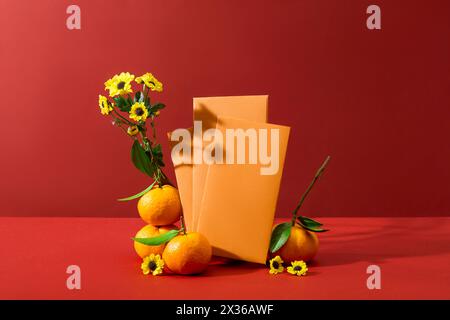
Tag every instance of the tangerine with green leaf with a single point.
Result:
(297, 239)
(150, 231)
(301, 245)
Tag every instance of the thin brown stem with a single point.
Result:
(146, 92)
(316, 177)
(183, 224)
(123, 118)
(125, 130)
(153, 129)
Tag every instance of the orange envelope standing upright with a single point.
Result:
(239, 202)
(183, 174)
(207, 110)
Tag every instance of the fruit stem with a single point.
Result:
(161, 178)
(316, 177)
(183, 224)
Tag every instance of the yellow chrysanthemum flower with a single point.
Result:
(105, 107)
(133, 130)
(153, 264)
(150, 81)
(276, 265)
(298, 268)
(119, 84)
(138, 112)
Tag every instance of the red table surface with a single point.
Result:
(413, 254)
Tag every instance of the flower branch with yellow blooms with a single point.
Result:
(160, 244)
(132, 112)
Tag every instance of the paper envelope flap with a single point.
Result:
(208, 109)
(239, 203)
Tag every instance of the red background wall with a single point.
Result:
(376, 101)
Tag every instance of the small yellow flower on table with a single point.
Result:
(298, 268)
(276, 265)
(153, 264)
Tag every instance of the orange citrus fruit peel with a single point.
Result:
(301, 245)
(188, 253)
(160, 206)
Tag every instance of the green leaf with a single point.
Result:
(129, 102)
(158, 106)
(313, 229)
(309, 222)
(280, 235)
(122, 104)
(119, 101)
(157, 150)
(156, 241)
(138, 195)
(140, 159)
(158, 155)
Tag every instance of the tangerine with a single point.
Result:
(160, 206)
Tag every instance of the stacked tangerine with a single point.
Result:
(186, 253)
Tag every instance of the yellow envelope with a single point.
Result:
(239, 202)
(207, 110)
